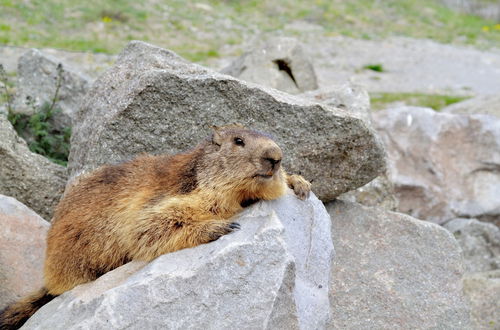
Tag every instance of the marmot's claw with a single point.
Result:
(301, 187)
(221, 229)
(234, 226)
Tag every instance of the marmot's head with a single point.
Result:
(236, 155)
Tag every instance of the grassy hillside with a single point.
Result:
(197, 30)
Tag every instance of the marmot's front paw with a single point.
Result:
(218, 229)
(300, 186)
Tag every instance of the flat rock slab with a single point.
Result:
(30, 178)
(22, 250)
(154, 101)
(443, 166)
(409, 65)
(271, 274)
(392, 271)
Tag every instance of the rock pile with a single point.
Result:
(279, 271)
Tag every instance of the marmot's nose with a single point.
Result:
(272, 157)
(273, 162)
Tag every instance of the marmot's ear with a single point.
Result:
(216, 135)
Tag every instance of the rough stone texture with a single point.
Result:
(443, 166)
(483, 293)
(37, 81)
(22, 250)
(349, 97)
(485, 104)
(273, 273)
(392, 271)
(379, 192)
(154, 101)
(480, 243)
(26, 176)
(280, 63)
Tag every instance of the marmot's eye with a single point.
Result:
(239, 142)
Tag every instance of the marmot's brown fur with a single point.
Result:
(153, 205)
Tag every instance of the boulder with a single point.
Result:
(22, 250)
(280, 63)
(38, 78)
(30, 178)
(483, 293)
(479, 241)
(349, 97)
(273, 273)
(392, 271)
(443, 166)
(154, 101)
(484, 104)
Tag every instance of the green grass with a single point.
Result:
(198, 30)
(42, 137)
(374, 67)
(437, 102)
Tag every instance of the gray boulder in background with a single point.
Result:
(22, 250)
(349, 97)
(378, 193)
(483, 294)
(30, 178)
(154, 101)
(271, 274)
(443, 166)
(480, 243)
(392, 271)
(37, 80)
(281, 63)
(484, 104)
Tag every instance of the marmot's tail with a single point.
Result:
(15, 315)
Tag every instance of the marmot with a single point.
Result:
(141, 209)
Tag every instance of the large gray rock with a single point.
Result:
(280, 63)
(22, 250)
(483, 293)
(154, 101)
(484, 104)
(37, 83)
(443, 166)
(479, 241)
(272, 274)
(30, 178)
(392, 271)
